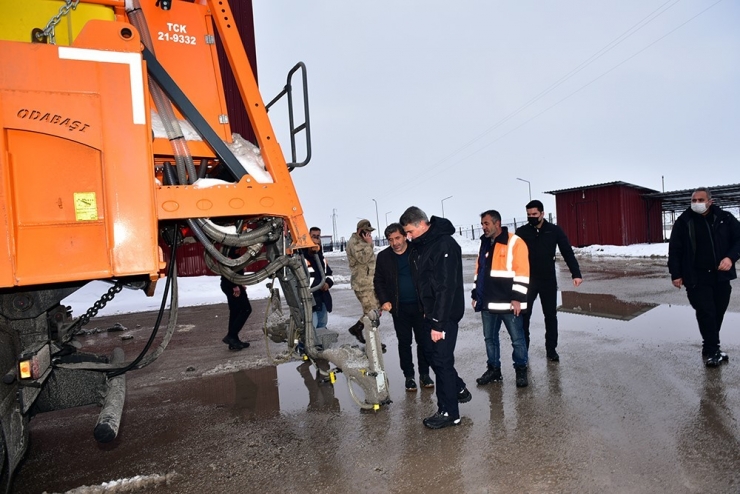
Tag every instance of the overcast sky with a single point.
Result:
(415, 101)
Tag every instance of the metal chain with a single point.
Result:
(99, 304)
(49, 29)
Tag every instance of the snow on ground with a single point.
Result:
(133, 484)
(471, 247)
(637, 250)
(206, 290)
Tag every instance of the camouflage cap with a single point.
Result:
(365, 225)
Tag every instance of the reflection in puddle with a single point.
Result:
(663, 323)
(289, 388)
(250, 393)
(267, 391)
(602, 305)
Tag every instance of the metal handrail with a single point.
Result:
(306, 125)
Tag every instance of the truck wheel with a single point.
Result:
(5, 477)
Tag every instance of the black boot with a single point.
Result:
(356, 331)
(492, 374)
(521, 377)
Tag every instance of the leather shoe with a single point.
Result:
(235, 343)
(426, 381)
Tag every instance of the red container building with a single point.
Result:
(614, 213)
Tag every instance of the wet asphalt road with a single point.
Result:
(630, 408)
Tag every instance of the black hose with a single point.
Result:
(170, 273)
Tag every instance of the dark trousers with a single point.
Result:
(710, 301)
(441, 356)
(408, 322)
(239, 309)
(548, 292)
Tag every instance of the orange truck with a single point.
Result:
(114, 142)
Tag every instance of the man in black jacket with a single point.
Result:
(436, 267)
(541, 238)
(239, 306)
(703, 249)
(396, 294)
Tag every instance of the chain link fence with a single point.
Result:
(474, 231)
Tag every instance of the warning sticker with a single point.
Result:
(86, 206)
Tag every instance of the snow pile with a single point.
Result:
(192, 291)
(468, 245)
(247, 153)
(250, 363)
(250, 157)
(133, 484)
(636, 250)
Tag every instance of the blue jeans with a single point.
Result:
(320, 317)
(492, 325)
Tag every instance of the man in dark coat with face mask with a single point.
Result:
(704, 246)
(541, 238)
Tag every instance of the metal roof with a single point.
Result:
(607, 184)
(725, 196)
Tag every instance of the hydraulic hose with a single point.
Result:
(183, 159)
(253, 278)
(140, 362)
(170, 178)
(322, 275)
(269, 232)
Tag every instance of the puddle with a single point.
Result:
(602, 305)
(649, 323)
(289, 388)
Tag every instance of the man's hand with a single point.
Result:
(473, 303)
(516, 306)
(386, 307)
(367, 237)
(725, 264)
(326, 287)
(237, 291)
(577, 282)
(678, 282)
(437, 335)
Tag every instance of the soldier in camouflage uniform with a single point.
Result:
(361, 260)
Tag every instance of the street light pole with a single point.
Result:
(529, 186)
(386, 218)
(377, 217)
(443, 205)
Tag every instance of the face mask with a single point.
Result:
(699, 207)
(532, 220)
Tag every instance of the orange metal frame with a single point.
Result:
(77, 181)
(246, 198)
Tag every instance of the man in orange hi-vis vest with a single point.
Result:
(500, 295)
